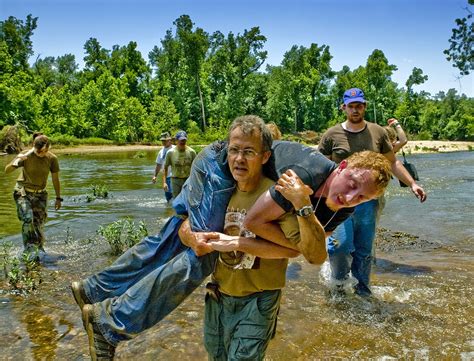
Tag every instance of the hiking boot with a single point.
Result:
(79, 294)
(99, 347)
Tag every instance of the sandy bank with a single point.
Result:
(416, 146)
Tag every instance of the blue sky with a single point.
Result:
(411, 33)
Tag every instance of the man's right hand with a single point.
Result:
(197, 241)
(153, 180)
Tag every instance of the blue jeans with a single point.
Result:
(152, 278)
(350, 246)
(169, 193)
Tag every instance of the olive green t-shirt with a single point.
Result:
(180, 161)
(239, 274)
(35, 170)
(339, 143)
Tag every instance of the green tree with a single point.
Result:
(408, 112)
(95, 61)
(17, 36)
(380, 91)
(301, 88)
(163, 117)
(127, 62)
(461, 44)
(230, 67)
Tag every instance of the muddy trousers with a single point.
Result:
(240, 328)
(31, 211)
(146, 283)
(350, 246)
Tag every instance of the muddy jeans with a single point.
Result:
(31, 210)
(350, 246)
(154, 277)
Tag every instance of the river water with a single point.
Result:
(422, 282)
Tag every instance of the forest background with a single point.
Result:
(199, 82)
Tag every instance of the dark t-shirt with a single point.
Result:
(309, 164)
(339, 143)
(313, 168)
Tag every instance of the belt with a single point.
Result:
(35, 190)
(212, 289)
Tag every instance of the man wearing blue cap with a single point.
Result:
(180, 159)
(349, 247)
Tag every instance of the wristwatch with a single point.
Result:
(304, 211)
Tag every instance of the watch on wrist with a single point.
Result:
(59, 199)
(304, 211)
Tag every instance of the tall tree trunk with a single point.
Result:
(202, 104)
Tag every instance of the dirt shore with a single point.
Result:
(416, 146)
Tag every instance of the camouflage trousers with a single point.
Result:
(31, 210)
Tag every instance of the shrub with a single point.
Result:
(21, 273)
(122, 234)
(97, 191)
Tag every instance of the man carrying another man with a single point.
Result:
(156, 275)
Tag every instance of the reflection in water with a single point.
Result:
(42, 332)
(422, 306)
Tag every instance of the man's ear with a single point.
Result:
(266, 156)
(342, 165)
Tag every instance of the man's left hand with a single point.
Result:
(225, 243)
(419, 192)
(292, 188)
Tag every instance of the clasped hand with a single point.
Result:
(293, 189)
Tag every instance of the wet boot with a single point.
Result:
(99, 348)
(79, 294)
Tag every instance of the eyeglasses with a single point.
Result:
(247, 153)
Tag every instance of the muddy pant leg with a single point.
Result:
(136, 263)
(39, 203)
(240, 328)
(177, 185)
(25, 215)
(169, 194)
(340, 245)
(364, 234)
(153, 297)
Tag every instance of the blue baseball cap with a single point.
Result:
(353, 95)
(181, 135)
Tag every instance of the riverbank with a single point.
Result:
(413, 147)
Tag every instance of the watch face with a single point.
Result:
(305, 211)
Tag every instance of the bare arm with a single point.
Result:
(257, 247)
(259, 220)
(165, 175)
(17, 161)
(198, 241)
(402, 138)
(401, 173)
(260, 217)
(312, 242)
(157, 170)
(57, 189)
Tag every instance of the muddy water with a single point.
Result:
(423, 280)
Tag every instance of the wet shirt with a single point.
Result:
(35, 170)
(180, 161)
(313, 168)
(240, 274)
(160, 159)
(339, 143)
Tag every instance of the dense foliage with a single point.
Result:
(199, 82)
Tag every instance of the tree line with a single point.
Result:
(199, 82)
